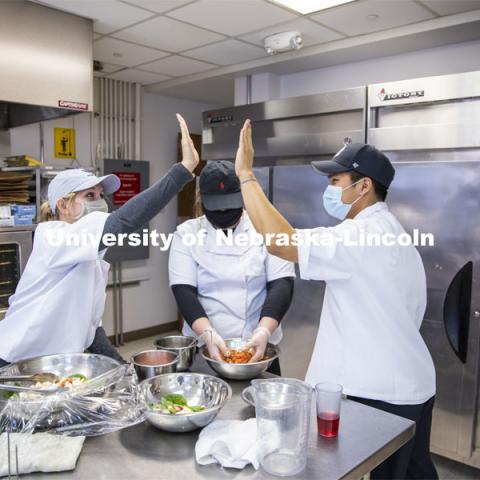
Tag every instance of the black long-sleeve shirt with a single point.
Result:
(277, 302)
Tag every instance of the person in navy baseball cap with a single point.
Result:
(355, 165)
(361, 158)
(375, 295)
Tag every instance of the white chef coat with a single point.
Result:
(231, 279)
(375, 298)
(60, 298)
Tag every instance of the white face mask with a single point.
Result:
(332, 201)
(94, 206)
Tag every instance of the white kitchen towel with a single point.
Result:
(231, 443)
(39, 452)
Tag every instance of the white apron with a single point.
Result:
(231, 280)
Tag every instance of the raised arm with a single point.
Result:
(266, 219)
(140, 209)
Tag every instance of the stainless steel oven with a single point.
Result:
(15, 248)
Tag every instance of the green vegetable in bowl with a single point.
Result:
(175, 398)
(7, 395)
(174, 404)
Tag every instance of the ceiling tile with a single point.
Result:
(227, 52)
(158, 6)
(312, 32)
(115, 51)
(177, 66)
(168, 34)
(232, 17)
(372, 16)
(139, 76)
(450, 7)
(109, 15)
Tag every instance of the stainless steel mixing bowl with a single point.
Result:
(197, 388)
(63, 365)
(185, 347)
(150, 363)
(241, 371)
(94, 367)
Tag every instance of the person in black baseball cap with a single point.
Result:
(220, 192)
(356, 165)
(228, 290)
(369, 337)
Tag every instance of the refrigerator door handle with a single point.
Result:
(456, 311)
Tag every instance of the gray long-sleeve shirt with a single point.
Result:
(138, 211)
(143, 207)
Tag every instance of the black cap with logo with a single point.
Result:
(220, 187)
(359, 157)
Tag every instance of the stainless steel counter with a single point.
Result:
(367, 436)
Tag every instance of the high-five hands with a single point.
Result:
(190, 156)
(244, 158)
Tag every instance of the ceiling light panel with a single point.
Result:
(306, 7)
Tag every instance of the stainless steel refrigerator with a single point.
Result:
(430, 129)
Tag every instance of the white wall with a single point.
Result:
(457, 58)
(152, 303)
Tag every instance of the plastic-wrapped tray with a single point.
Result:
(105, 402)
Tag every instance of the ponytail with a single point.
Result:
(197, 204)
(46, 213)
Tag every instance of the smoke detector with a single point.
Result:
(283, 42)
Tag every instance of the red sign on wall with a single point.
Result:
(129, 188)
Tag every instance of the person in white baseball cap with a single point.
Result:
(59, 301)
(70, 182)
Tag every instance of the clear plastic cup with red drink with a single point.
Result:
(328, 397)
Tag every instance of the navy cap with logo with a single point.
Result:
(220, 187)
(359, 157)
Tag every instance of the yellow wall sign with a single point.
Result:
(65, 143)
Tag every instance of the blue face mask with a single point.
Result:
(332, 201)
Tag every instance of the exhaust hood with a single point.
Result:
(46, 63)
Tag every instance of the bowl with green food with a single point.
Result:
(183, 402)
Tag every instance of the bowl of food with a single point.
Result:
(185, 347)
(183, 402)
(74, 374)
(151, 363)
(235, 365)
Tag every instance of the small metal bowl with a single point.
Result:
(241, 371)
(184, 347)
(197, 388)
(151, 363)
